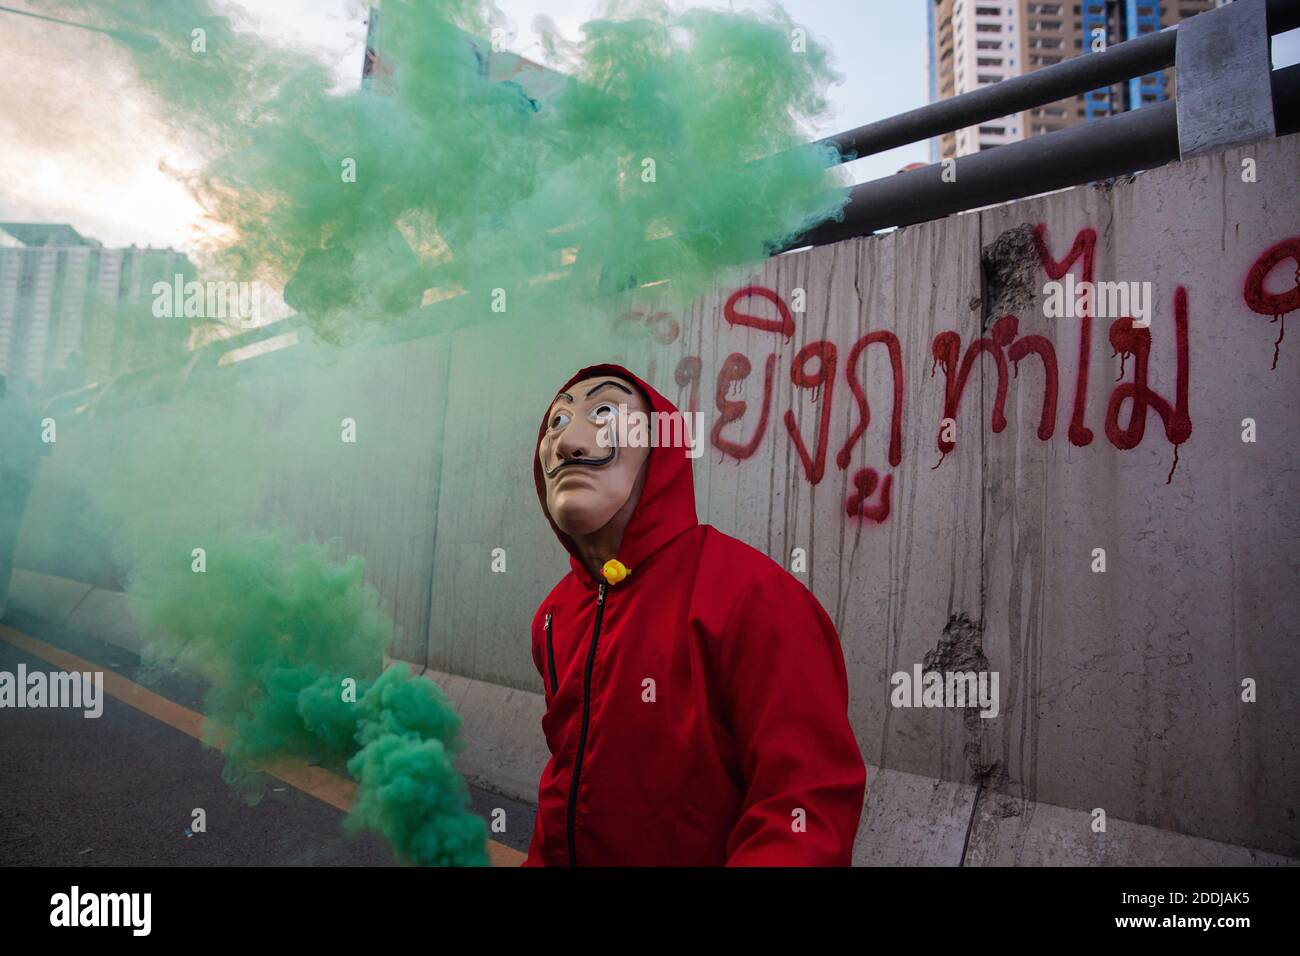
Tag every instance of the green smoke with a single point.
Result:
(288, 638)
(290, 644)
(671, 154)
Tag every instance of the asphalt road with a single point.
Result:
(121, 789)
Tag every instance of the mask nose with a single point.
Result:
(575, 442)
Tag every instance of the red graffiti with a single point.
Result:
(662, 326)
(1005, 330)
(821, 380)
(864, 483)
(814, 368)
(686, 374)
(784, 326)
(1277, 304)
(890, 341)
(1084, 248)
(1002, 344)
(945, 350)
(816, 365)
(736, 369)
(1129, 339)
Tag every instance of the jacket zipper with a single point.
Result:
(550, 656)
(582, 735)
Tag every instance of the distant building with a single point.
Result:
(73, 312)
(538, 83)
(536, 86)
(975, 43)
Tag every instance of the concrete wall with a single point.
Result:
(1121, 690)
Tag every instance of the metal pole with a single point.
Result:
(1091, 71)
(1139, 139)
(1081, 74)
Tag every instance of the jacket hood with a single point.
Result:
(667, 504)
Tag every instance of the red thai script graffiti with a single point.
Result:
(864, 483)
(1128, 339)
(890, 341)
(824, 377)
(1084, 249)
(1005, 330)
(1269, 303)
(1002, 344)
(945, 351)
(817, 366)
(784, 325)
(736, 369)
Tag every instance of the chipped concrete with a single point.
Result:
(1012, 276)
(961, 648)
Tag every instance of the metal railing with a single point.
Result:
(1226, 95)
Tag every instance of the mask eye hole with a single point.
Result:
(559, 420)
(603, 413)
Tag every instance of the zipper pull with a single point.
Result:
(600, 599)
(547, 622)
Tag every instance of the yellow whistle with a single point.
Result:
(614, 570)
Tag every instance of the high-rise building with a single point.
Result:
(73, 312)
(975, 43)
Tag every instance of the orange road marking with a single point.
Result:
(325, 786)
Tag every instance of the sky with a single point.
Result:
(80, 144)
(88, 150)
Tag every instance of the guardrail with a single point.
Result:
(1227, 95)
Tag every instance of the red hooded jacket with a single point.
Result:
(745, 754)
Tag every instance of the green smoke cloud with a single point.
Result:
(672, 152)
(290, 644)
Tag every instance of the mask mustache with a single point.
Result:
(592, 462)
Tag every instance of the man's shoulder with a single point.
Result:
(732, 563)
(748, 591)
